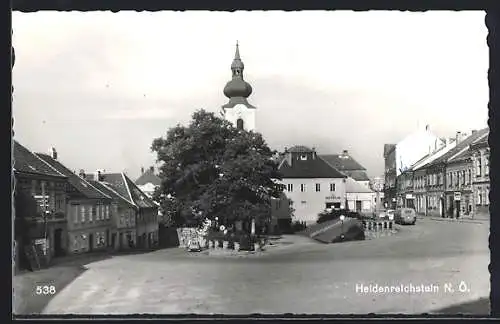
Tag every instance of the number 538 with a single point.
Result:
(45, 290)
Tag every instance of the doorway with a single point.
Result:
(108, 243)
(91, 242)
(457, 209)
(441, 207)
(358, 205)
(451, 207)
(58, 250)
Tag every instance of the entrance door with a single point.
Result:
(451, 206)
(120, 240)
(336, 205)
(329, 205)
(358, 205)
(113, 240)
(457, 209)
(58, 251)
(91, 242)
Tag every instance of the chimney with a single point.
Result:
(82, 173)
(458, 137)
(427, 128)
(474, 131)
(142, 170)
(97, 175)
(53, 153)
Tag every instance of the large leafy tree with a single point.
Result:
(210, 169)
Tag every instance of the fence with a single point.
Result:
(375, 229)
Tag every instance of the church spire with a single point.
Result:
(237, 66)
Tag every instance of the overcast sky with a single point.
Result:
(100, 86)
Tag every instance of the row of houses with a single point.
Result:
(77, 213)
(451, 180)
(313, 182)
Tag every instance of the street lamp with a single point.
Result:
(342, 217)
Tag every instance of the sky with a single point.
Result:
(100, 86)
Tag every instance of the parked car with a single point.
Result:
(405, 216)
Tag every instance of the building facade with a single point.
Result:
(480, 157)
(311, 184)
(459, 185)
(145, 211)
(359, 197)
(390, 176)
(88, 211)
(47, 187)
(124, 233)
(238, 110)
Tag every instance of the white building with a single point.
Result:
(238, 110)
(415, 146)
(311, 184)
(359, 198)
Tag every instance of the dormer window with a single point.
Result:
(303, 157)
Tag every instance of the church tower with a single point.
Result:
(238, 111)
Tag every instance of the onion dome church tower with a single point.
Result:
(238, 111)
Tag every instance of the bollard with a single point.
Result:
(390, 225)
(225, 245)
(385, 225)
(236, 246)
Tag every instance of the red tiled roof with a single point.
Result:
(26, 161)
(81, 185)
(342, 162)
(310, 168)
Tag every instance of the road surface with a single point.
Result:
(307, 277)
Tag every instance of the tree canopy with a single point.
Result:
(210, 169)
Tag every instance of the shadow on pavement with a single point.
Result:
(477, 307)
(61, 273)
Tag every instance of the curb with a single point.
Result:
(454, 220)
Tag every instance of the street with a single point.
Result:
(307, 277)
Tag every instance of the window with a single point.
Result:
(290, 187)
(302, 187)
(82, 210)
(478, 167)
(75, 213)
(318, 187)
(91, 212)
(332, 186)
(450, 178)
(303, 157)
(470, 177)
(107, 211)
(303, 202)
(463, 177)
(486, 165)
(440, 180)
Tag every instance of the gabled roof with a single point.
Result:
(148, 177)
(310, 168)
(464, 144)
(352, 186)
(126, 189)
(110, 191)
(357, 175)
(139, 197)
(342, 162)
(26, 161)
(81, 185)
(465, 154)
(429, 158)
